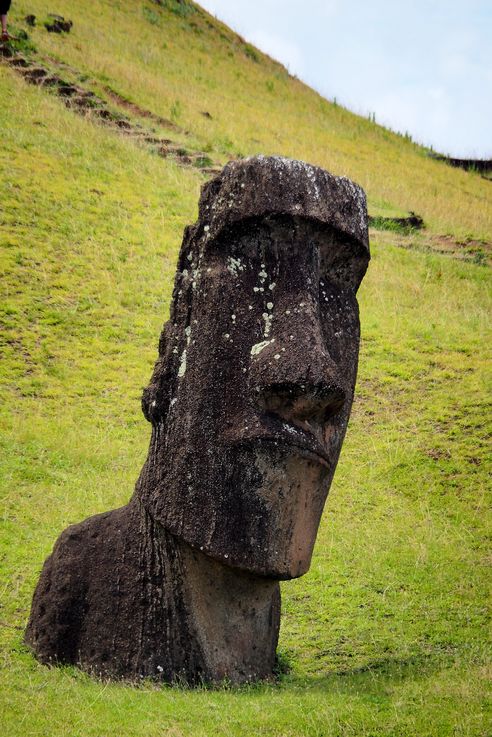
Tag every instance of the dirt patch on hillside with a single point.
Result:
(141, 112)
(471, 250)
(479, 251)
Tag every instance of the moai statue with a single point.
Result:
(249, 402)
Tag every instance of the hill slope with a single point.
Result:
(171, 58)
(386, 634)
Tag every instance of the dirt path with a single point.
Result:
(47, 73)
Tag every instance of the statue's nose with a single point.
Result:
(293, 374)
(298, 379)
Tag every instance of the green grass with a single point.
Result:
(387, 635)
(181, 63)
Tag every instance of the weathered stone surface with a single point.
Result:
(123, 598)
(249, 402)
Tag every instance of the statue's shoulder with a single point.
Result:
(73, 541)
(97, 540)
(91, 561)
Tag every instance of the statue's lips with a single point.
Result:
(289, 437)
(317, 455)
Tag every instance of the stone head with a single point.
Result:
(251, 393)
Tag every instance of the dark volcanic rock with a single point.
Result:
(58, 24)
(249, 402)
(482, 166)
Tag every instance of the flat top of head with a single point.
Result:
(272, 185)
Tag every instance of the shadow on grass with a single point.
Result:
(373, 676)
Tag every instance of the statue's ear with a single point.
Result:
(155, 397)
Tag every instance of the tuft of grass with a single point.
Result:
(252, 53)
(176, 111)
(203, 161)
(406, 225)
(151, 16)
(21, 42)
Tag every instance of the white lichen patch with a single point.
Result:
(258, 347)
(290, 428)
(269, 305)
(195, 275)
(182, 365)
(268, 323)
(235, 265)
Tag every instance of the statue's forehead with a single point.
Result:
(278, 234)
(262, 187)
(278, 243)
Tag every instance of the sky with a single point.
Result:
(421, 66)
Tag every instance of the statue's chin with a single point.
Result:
(292, 493)
(269, 567)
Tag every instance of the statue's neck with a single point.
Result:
(209, 622)
(235, 617)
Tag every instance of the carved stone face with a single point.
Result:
(251, 395)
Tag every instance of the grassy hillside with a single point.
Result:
(172, 58)
(387, 634)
